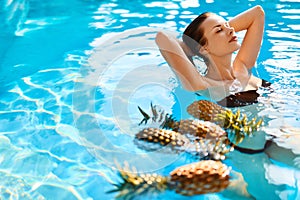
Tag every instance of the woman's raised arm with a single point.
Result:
(172, 50)
(175, 53)
(251, 20)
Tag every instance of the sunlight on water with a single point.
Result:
(68, 107)
(123, 75)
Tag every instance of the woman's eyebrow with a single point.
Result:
(218, 25)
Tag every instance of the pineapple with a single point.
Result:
(204, 110)
(203, 129)
(214, 148)
(163, 137)
(238, 127)
(202, 177)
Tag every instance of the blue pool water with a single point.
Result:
(73, 73)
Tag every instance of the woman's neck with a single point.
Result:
(220, 68)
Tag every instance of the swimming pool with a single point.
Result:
(73, 73)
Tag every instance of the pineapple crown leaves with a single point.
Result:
(134, 184)
(166, 120)
(146, 116)
(169, 122)
(238, 126)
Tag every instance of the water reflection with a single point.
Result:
(43, 153)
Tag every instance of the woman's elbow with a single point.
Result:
(260, 11)
(160, 36)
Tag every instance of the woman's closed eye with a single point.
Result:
(219, 30)
(225, 25)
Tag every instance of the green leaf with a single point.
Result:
(146, 116)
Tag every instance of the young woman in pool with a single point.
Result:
(228, 79)
(214, 39)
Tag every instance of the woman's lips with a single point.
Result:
(234, 38)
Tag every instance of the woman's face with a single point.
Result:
(221, 39)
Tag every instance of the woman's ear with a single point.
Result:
(203, 50)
